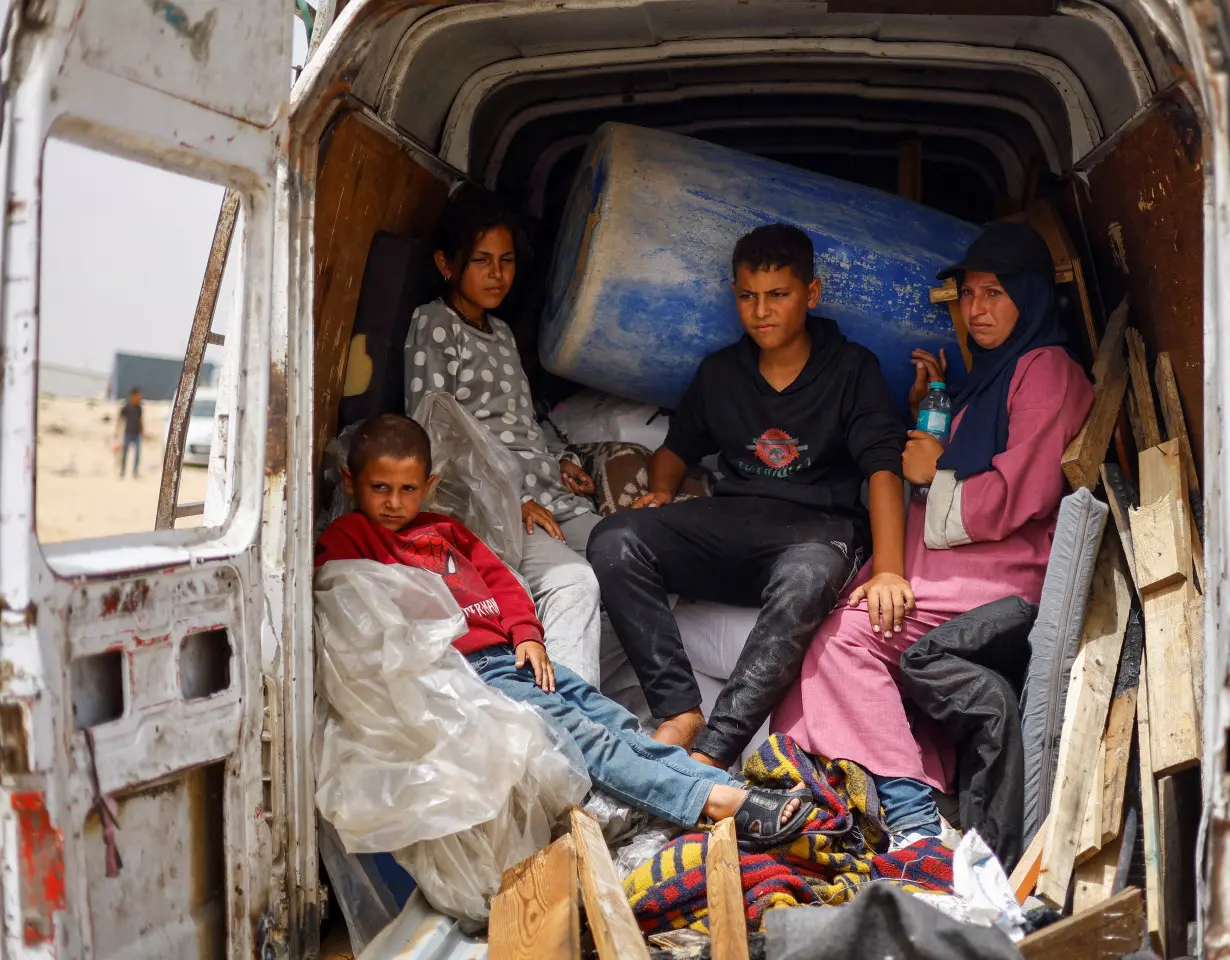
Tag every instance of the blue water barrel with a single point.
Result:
(640, 282)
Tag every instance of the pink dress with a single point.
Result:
(973, 541)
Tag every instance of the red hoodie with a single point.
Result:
(496, 608)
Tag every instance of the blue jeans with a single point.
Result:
(908, 805)
(625, 763)
(133, 441)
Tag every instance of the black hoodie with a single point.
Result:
(812, 444)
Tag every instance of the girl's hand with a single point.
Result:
(652, 500)
(928, 368)
(889, 598)
(533, 512)
(918, 461)
(535, 654)
(575, 480)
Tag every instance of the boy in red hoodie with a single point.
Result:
(388, 474)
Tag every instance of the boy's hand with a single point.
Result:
(535, 513)
(652, 500)
(575, 480)
(889, 598)
(533, 652)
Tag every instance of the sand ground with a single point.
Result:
(78, 489)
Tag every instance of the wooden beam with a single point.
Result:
(611, 921)
(1094, 880)
(1148, 814)
(724, 881)
(962, 329)
(1093, 679)
(1172, 707)
(1172, 416)
(1089, 842)
(1118, 747)
(1160, 558)
(535, 915)
(1177, 842)
(1107, 932)
(1121, 498)
(1086, 453)
(1143, 388)
(1025, 875)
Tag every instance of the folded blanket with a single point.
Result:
(840, 849)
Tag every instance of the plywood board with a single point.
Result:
(535, 914)
(1148, 812)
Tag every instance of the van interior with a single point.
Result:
(1080, 111)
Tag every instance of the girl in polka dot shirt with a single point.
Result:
(456, 346)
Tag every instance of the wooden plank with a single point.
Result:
(611, 921)
(1097, 661)
(1148, 813)
(1172, 708)
(962, 329)
(1138, 431)
(1172, 416)
(1107, 932)
(1094, 880)
(1121, 498)
(1089, 842)
(535, 914)
(1170, 843)
(1194, 614)
(1160, 559)
(724, 881)
(1142, 388)
(1118, 748)
(1085, 454)
(1025, 875)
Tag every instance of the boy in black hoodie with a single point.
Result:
(800, 417)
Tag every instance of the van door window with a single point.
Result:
(123, 248)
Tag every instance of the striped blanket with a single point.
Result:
(842, 848)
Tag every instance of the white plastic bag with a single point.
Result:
(480, 482)
(981, 894)
(415, 751)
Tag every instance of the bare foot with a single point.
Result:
(681, 730)
(724, 801)
(707, 760)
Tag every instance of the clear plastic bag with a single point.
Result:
(480, 483)
(644, 846)
(415, 751)
(333, 491)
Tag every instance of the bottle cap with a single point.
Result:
(937, 384)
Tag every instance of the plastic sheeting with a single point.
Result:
(479, 480)
(415, 754)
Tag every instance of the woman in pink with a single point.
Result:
(983, 532)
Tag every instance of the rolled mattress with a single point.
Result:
(640, 291)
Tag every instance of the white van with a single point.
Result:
(173, 671)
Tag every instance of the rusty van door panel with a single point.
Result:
(132, 700)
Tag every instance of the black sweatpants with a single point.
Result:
(789, 560)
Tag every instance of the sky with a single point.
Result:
(124, 252)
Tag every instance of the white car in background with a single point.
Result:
(200, 434)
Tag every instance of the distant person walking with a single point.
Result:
(131, 421)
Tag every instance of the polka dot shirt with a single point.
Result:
(483, 371)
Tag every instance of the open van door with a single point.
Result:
(131, 696)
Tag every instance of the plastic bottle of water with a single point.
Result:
(934, 417)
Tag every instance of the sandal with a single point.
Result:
(758, 821)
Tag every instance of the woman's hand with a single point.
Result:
(928, 368)
(535, 654)
(921, 453)
(889, 598)
(533, 512)
(575, 480)
(652, 500)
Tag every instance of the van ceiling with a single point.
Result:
(508, 92)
